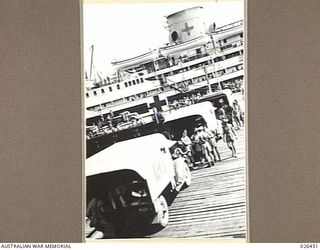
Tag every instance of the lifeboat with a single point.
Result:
(134, 61)
(181, 47)
(228, 31)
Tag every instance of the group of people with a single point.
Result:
(201, 146)
(233, 113)
(109, 126)
(185, 101)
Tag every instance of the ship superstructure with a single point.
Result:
(198, 59)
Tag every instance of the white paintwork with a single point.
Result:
(189, 18)
(142, 155)
(204, 109)
(196, 42)
(127, 63)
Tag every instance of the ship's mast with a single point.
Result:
(91, 63)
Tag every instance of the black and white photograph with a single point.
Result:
(164, 94)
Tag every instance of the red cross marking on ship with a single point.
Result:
(187, 28)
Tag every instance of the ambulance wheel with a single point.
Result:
(187, 181)
(163, 213)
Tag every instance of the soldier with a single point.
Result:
(229, 113)
(220, 112)
(213, 143)
(237, 113)
(187, 143)
(229, 137)
(98, 214)
(205, 146)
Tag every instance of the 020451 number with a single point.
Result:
(309, 245)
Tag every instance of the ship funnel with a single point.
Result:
(186, 25)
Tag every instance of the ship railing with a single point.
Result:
(230, 45)
(229, 26)
(209, 53)
(126, 77)
(140, 119)
(220, 50)
(122, 124)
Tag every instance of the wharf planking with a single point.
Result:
(214, 206)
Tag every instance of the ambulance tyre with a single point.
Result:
(163, 213)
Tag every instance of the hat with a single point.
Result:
(177, 152)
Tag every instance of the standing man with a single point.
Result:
(213, 143)
(187, 143)
(237, 112)
(221, 114)
(229, 113)
(205, 146)
(229, 136)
